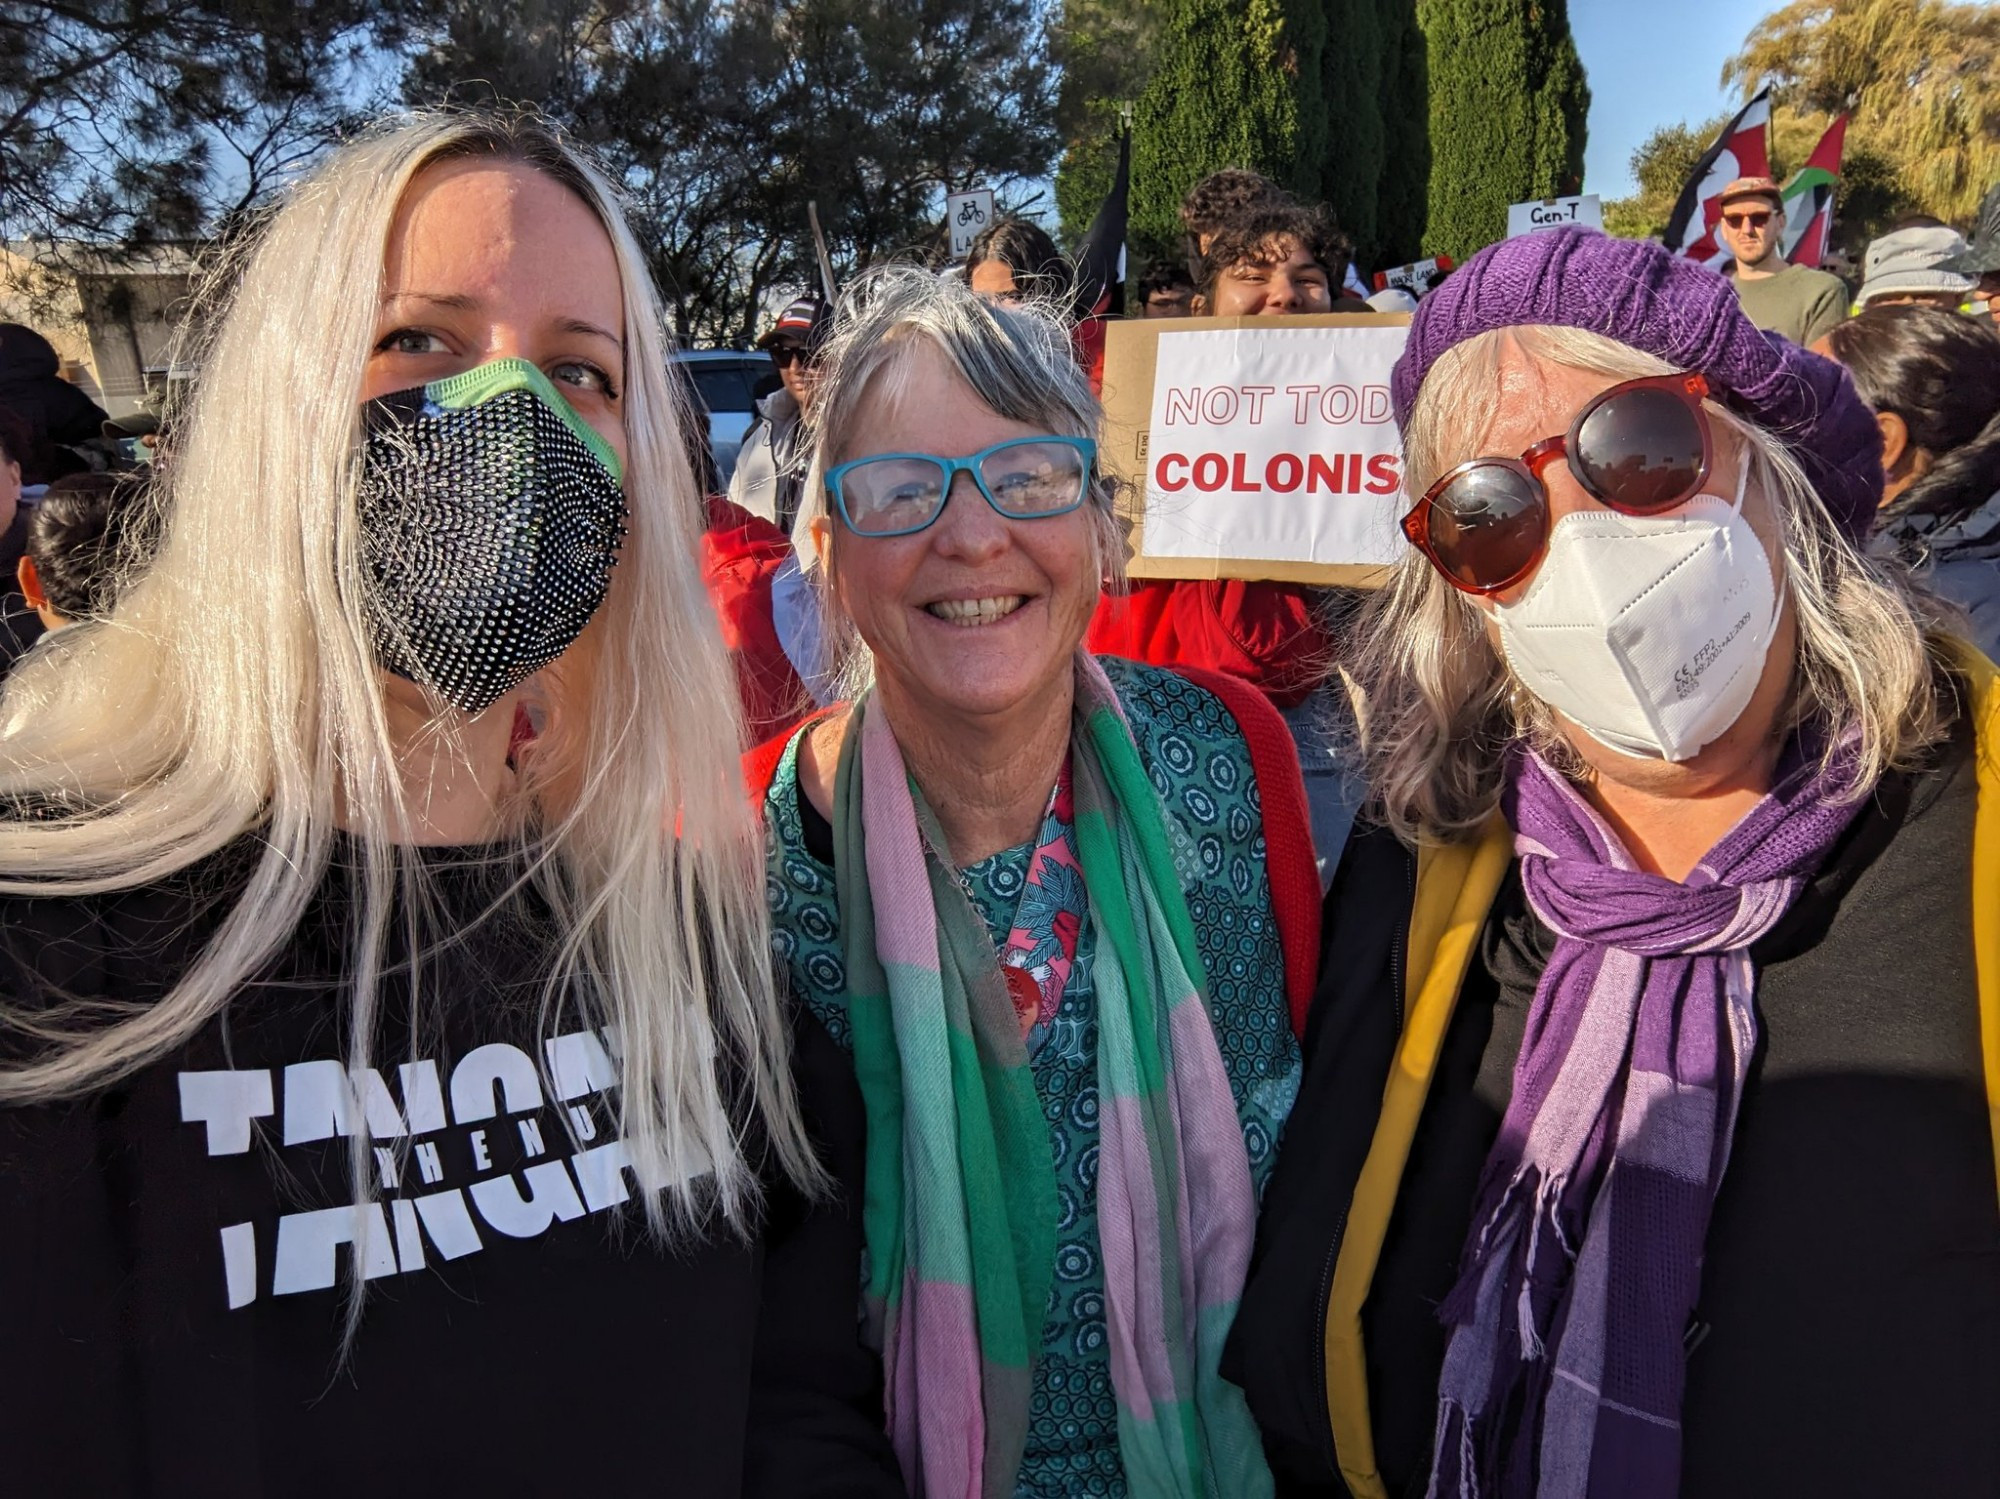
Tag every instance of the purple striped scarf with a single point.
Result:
(1566, 1361)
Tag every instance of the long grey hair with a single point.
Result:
(1016, 357)
(1438, 706)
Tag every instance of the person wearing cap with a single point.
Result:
(1912, 264)
(141, 430)
(1795, 300)
(767, 477)
(1982, 259)
(1644, 1147)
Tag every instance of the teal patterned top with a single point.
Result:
(1198, 762)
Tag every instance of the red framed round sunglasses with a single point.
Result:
(1641, 447)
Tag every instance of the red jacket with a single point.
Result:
(1260, 633)
(1087, 342)
(740, 555)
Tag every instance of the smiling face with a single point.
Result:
(1285, 282)
(493, 260)
(1539, 399)
(976, 616)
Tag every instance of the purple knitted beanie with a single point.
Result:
(1642, 296)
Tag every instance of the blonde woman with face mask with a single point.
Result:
(388, 1104)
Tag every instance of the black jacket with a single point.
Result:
(175, 1248)
(20, 626)
(56, 413)
(1847, 1341)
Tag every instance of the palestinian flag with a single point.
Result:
(1742, 150)
(1809, 199)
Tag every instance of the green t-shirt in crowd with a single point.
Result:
(1798, 302)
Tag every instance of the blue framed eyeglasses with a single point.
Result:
(1025, 478)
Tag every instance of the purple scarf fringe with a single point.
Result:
(1565, 1366)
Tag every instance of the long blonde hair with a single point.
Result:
(1438, 706)
(233, 691)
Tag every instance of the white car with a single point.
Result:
(729, 383)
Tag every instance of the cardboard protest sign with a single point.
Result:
(965, 214)
(1554, 213)
(1414, 278)
(1257, 447)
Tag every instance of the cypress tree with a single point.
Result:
(1302, 54)
(1354, 71)
(1105, 51)
(1224, 92)
(1404, 195)
(1562, 102)
(1507, 108)
(1082, 180)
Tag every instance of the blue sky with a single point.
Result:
(1651, 63)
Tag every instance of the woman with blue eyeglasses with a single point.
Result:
(1060, 911)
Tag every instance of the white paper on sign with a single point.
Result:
(1275, 443)
(1555, 213)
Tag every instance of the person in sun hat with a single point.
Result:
(1798, 301)
(1644, 1147)
(1912, 264)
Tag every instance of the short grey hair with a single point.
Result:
(1438, 706)
(1016, 356)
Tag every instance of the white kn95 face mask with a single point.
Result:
(1647, 631)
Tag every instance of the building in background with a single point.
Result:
(111, 317)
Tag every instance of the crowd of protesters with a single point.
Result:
(1530, 1027)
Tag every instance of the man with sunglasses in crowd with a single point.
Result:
(1794, 300)
(768, 470)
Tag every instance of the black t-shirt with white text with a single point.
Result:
(178, 1251)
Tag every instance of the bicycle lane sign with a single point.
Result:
(965, 214)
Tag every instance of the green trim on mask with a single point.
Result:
(474, 387)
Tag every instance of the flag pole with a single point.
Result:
(819, 248)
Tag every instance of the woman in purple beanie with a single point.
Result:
(1647, 1140)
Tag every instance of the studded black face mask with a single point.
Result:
(490, 519)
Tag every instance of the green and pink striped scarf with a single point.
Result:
(960, 1210)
